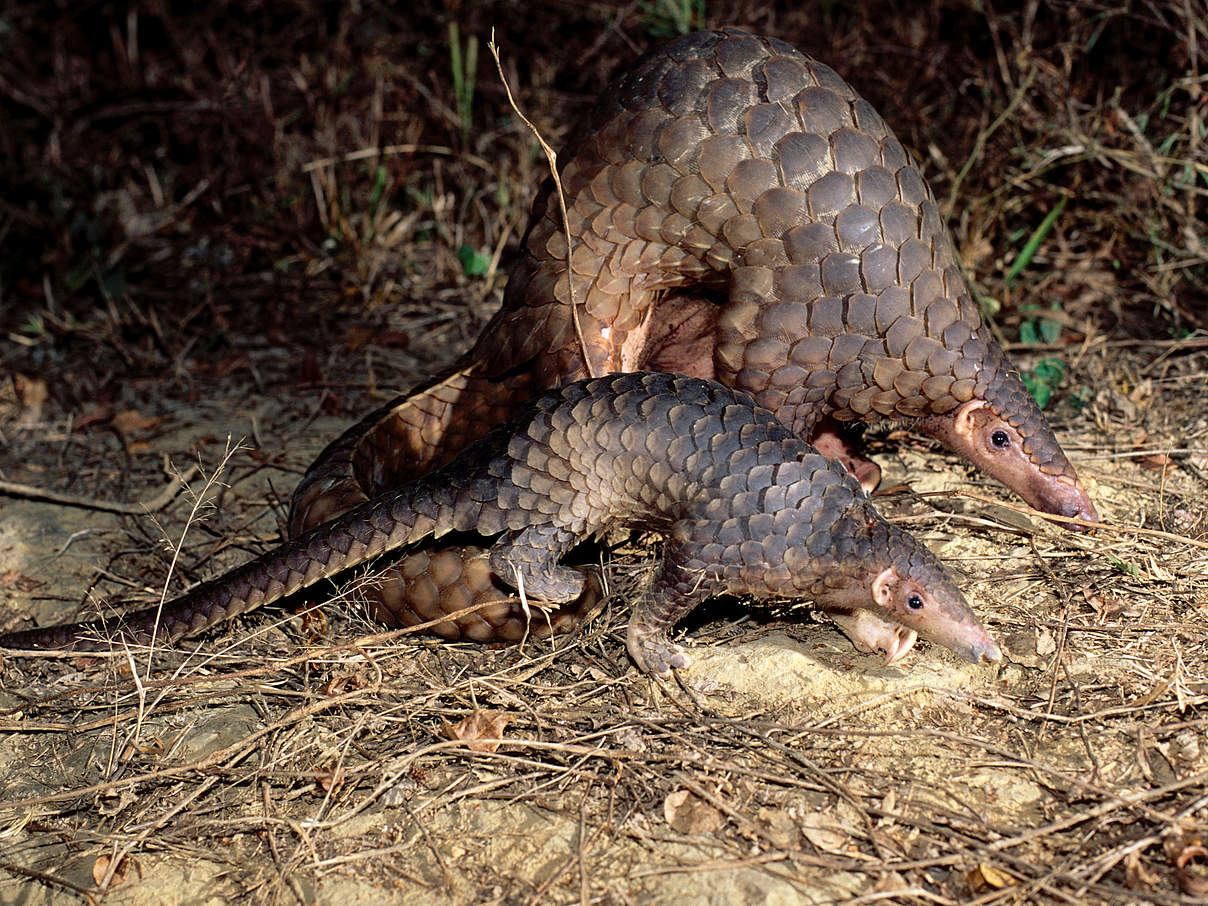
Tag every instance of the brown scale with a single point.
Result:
(736, 211)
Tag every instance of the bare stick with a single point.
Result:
(552, 157)
(158, 502)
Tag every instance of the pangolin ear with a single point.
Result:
(964, 419)
(882, 586)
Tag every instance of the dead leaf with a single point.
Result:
(95, 415)
(356, 337)
(1157, 462)
(824, 832)
(779, 827)
(987, 877)
(481, 725)
(310, 372)
(18, 580)
(32, 394)
(687, 813)
(152, 747)
(314, 622)
(231, 364)
(115, 804)
(131, 421)
(891, 881)
(101, 867)
(348, 681)
(329, 781)
(1190, 858)
(1136, 875)
(1046, 643)
(1141, 393)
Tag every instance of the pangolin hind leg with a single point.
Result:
(451, 585)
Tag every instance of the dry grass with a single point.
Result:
(249, 219)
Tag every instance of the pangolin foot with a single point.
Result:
(655, 653)
(871, 633)
(834, 442)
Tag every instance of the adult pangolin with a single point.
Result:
(737, 211)
(745, 506)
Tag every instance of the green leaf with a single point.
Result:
(1040, 390)
(1033, 243)
(473, 262)
(1050, 330)
(1130, 568)
(1051, 371)
(380, 179)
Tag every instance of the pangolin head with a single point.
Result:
(1003, 432)
(880, 568)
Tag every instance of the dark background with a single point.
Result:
(156, 216)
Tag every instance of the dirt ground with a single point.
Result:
(229, 232)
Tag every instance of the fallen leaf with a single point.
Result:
(32, 394)
(824, 832)
(231, 364)
(329, 781)
(481, 725)
(891, 881)
(115, 804)
(310, 372)
(1157, 462)
(348, 681)
(131, 421)
(18, 580)
(779, 827)
(1046, 643)
(687, 813)
(1142, 392)
(314, 622)
(95, 415)
(101, 867)
(987, 877)
(1136, 875)
(356, 337)
(1191, 870)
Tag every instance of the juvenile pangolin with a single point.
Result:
(736, 211)
(745, 506)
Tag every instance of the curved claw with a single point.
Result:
(655, 653)
(871, 633)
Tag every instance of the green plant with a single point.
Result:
(473, 262)
(667, 18)
(1130, 569)
(1024, 258)
(1042, 380)
(465, 68)
(1039, 329)
(1049, 372)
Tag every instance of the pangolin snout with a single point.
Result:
(1067, 498)
(985, 649)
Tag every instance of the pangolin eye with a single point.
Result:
(1000, 439)
(914, 602)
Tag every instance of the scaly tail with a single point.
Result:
(427, 507)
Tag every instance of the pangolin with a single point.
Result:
(745, 506)
(736, 211)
